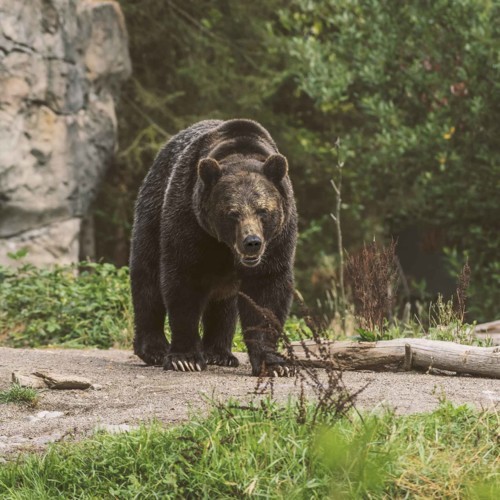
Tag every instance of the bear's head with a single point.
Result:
(241, 204)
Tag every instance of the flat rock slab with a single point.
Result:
(131, 393)
(52, 380)
(29, 381)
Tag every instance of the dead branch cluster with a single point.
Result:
(330, 394)
(372, 275)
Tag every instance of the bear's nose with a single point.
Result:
(252, 244)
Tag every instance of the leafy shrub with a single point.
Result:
(412, 89)
(76, 306)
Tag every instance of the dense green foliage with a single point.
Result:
(411, 88)
(266, 453)
(59, 306)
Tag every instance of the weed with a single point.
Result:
(372, 276)
(462, 286)
(446, 318)
(19, 395)
(330, 394)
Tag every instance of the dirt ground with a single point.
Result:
(131, 393)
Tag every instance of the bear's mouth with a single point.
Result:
(251, 261)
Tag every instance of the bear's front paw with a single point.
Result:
(221, 359)
(185, 362)
(152, 353)
(271, 364)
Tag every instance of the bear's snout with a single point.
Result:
(249, 243)
(252, 244)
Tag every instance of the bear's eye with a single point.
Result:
(233, 214)
(262, 212)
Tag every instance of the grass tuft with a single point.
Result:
(19, 395)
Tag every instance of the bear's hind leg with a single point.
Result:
(219, 324)
(150, 343)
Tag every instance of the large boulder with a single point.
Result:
(61, 66)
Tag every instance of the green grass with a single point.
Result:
(20, 395)
(265, 453)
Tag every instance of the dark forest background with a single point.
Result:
(411, 89)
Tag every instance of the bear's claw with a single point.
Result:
(188, 362)
(280, 371)
(221, 359)
(271, 364)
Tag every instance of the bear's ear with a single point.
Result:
(209, 171)
(275, 168)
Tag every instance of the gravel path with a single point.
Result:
(132, 393)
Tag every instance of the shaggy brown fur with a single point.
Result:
(215, 215)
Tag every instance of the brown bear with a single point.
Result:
(215, 216)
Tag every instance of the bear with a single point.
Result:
(213, 239)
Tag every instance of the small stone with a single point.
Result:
(47, 438)
(492, 395)
(96, 387)
(8, 441)
(53, 414)
(45, 415)
(116, 428)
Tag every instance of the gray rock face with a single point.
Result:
(61, 66)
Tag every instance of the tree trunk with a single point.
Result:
(403, 354)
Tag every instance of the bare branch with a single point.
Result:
(335, 188)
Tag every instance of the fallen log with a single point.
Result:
(405, 354)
